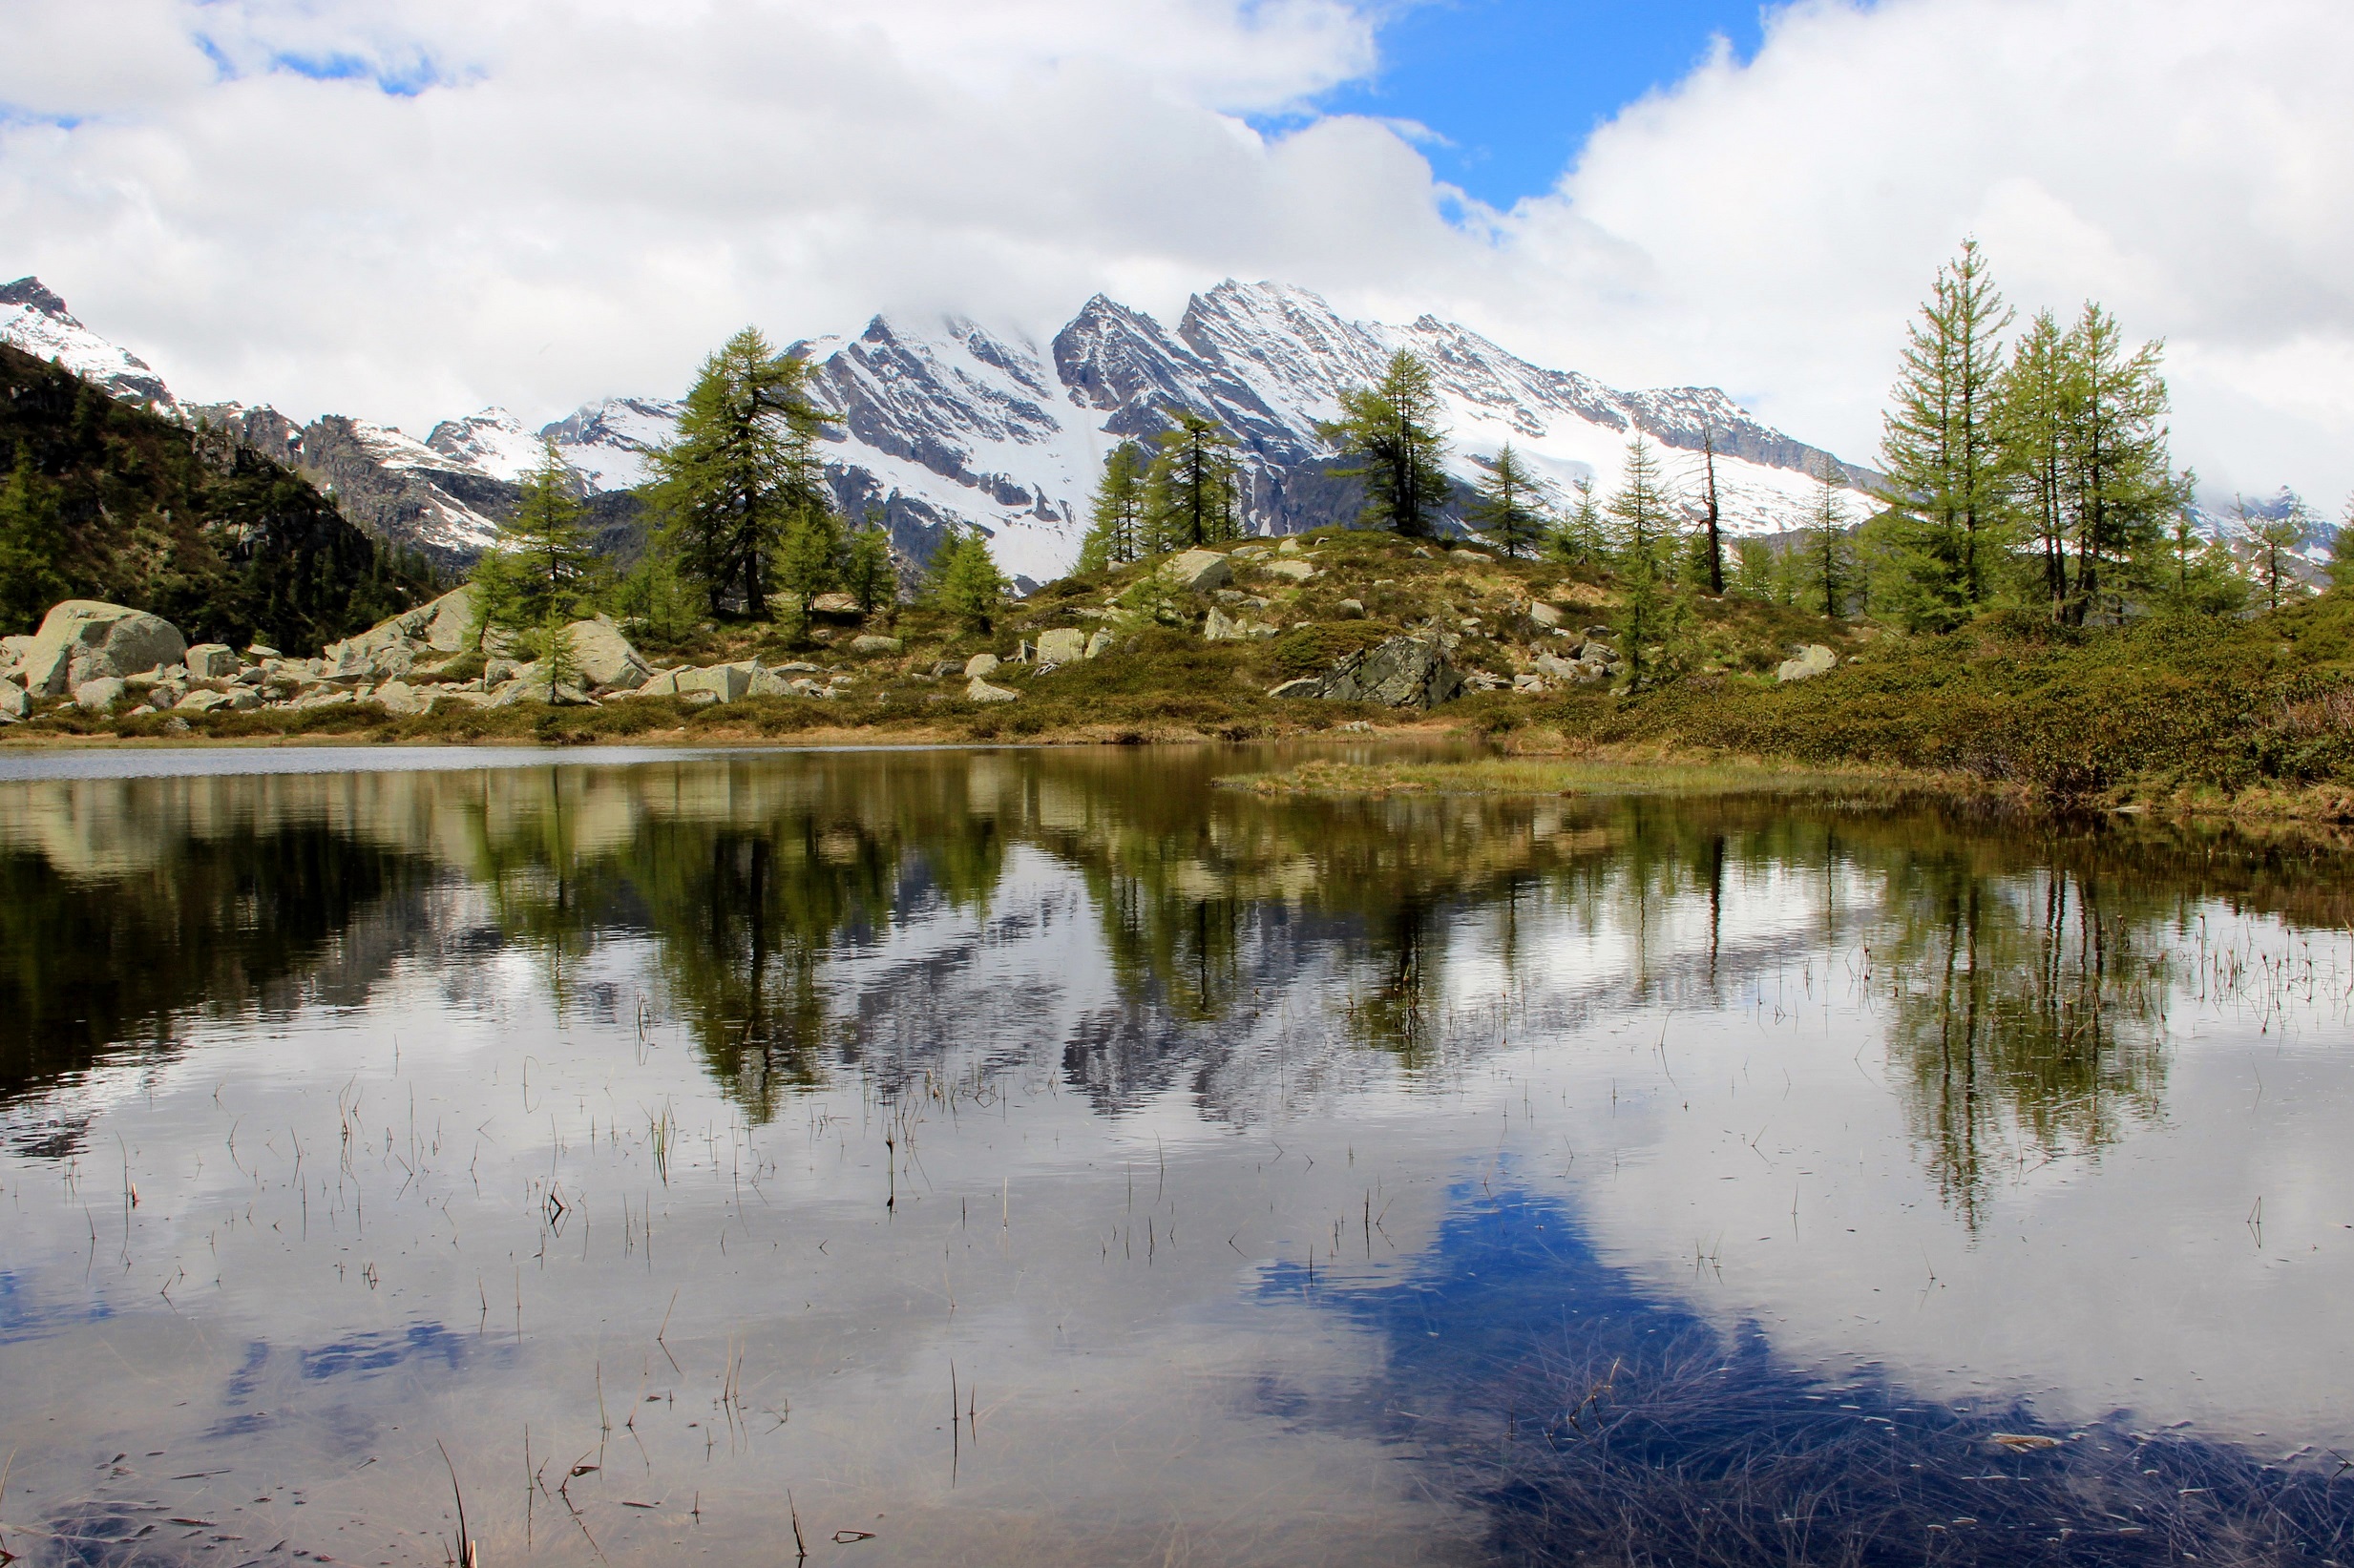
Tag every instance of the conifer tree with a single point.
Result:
(2117, 481)
(1580, 538)
(1190, 491)
(1829, 570)
(868, 574)
(741, 468)
(33, 546)
(1508, 510)
(544, 564)
(2186, 572)
(964, 581)
(1711, 513)
(2340, 569)
(1391, 431)
(1115, 524)
(1941, 451)
(808, 558)
(2036, 398)
(2273, 545)
(1652, 609)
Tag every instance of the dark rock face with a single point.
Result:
(1405, 671)
(31, 291)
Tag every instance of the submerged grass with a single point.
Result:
(1590, 775)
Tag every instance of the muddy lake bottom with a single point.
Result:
(1045, 1157)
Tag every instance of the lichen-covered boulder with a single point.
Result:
(211, 661)
(1813, 660)
(726, 683)
(82, 640)
(1405, 671)
(604, 657)
(99, 694)
(1063, 646)
(977, 690)
(1198, 571)
(980, 667)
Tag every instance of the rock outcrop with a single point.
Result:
(1405, 671)
(81, 640)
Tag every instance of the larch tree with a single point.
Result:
(964, 581)
(1390, 432)
(544, 565)
(1116, 522)
(2036, 398)
(2118, 479)
(1190, 493)
(1941, 449)
(1580, 539)
(1509, 510)
(1711, 513)
(1829, 571)
(867, 574)
(2273, 543)
(740, 471)
(1653, 612)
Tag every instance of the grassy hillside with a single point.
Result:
(101, 499)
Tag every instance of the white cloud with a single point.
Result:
(561, 200)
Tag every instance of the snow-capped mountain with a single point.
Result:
(944, 422)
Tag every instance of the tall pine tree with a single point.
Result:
(1390, 433)
(1116, 523)
(1191, 493)
(1509, 510)
(1942, 452)
(740, 471)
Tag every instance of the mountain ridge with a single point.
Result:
(943, 423)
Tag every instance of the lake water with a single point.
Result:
(1046, 1157)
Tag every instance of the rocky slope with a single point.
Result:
(944, 422)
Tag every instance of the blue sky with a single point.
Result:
(1516, 85)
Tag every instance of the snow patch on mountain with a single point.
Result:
(34, 320)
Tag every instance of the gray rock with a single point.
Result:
(211, 661)
(14, 650)
(262, 653)
(982, 667)
(1307, 686)
(400, 698)
(977, 690)
(1295, 570)
(604, 657)
(83, 640)
(664, 684)
(1351, 609)
(1529, 683)
(1545, 615)
(245, 699)
(207, 701)
(1198, 571)
(1097, 643)
(14, 704)
(767, 683)
(728, 683)
(1220, 627)
(1405, 671)
(97, 696)
(1812, 661)
(873, 643)
(1063, 646)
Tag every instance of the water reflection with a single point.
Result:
(1525, 1180)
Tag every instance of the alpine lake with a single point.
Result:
(1046, 1157)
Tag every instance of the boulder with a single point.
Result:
(400, 698)
(664, 684)
(982, 667)
(1198, 571)
(14, 650)
(873, 643)
(1545, 615)
(977, 690)
(604, 658)
(263, 652)
(1220, 627)
(725, 682)
(1351, 609)
(1064, 645)
(1295, 570)
(444, 624)
(211, 661)
(1307, 686)
(207, 701)
(82, 640)
(244, 699)
(99, 694)
(1405, 671)
(14, 704)
(763, 681)
(1812, 661)
(1097, 643)
(834, 604)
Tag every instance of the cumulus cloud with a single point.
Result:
(409, 211)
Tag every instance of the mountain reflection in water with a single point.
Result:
(1274, 1179)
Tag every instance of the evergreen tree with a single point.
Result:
(1508, 512)
(964, 581)
(556, 662)
(32, 548)
(2340, 569)
(2117, 481)
(1190, 491)
(1941, 451)
(1580, 539)
(1757, 571)
(1652, 609)
(658, 599)
(740, 471)
(2185, 573)
(808, 559)
(1829, 570)
(2037, 398)
(2273, 545)
(549, 563)
(1713, 539)
(1391, 431)
(868, 574)
(1116, 526)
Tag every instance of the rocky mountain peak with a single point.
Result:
(33, 294)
